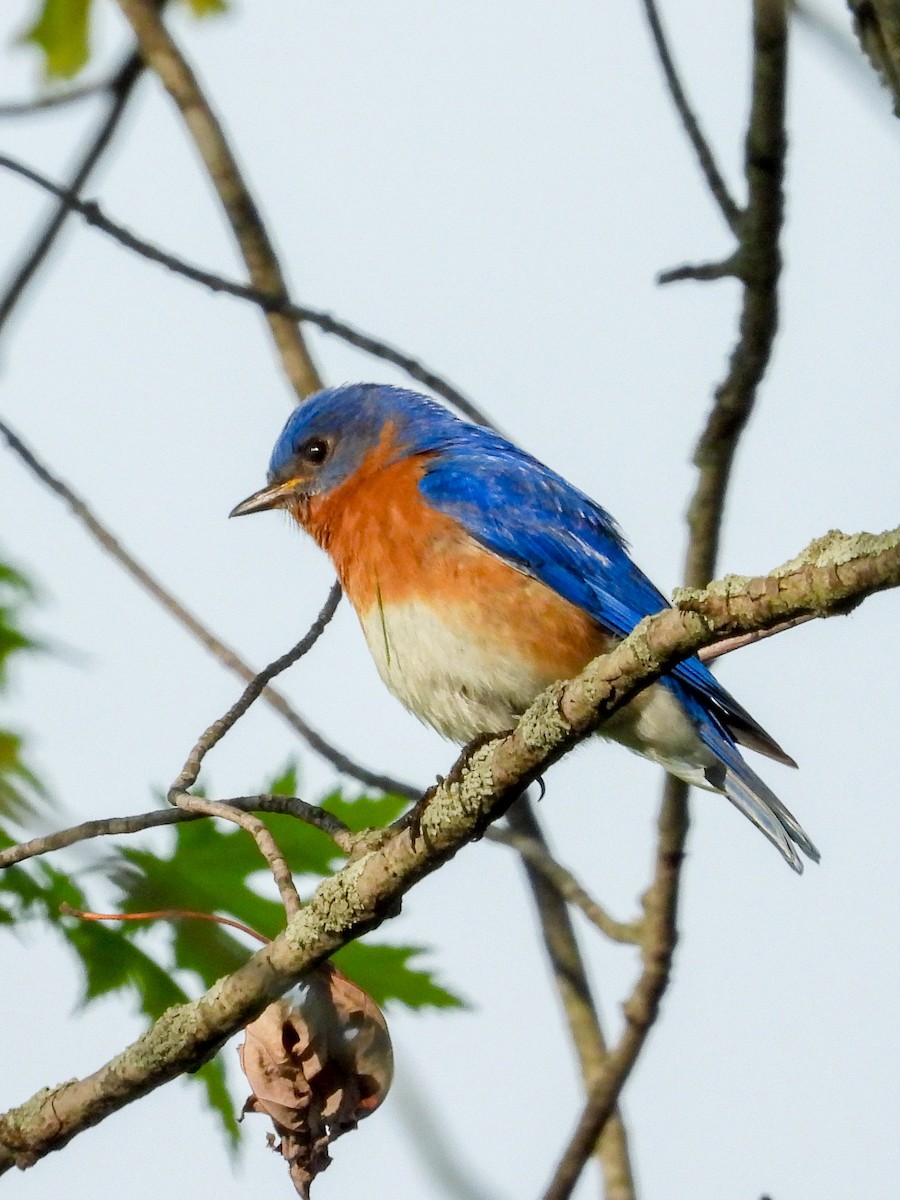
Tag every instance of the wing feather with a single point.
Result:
(525, 513)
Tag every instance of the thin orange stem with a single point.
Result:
(164, 914)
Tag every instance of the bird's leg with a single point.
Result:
(412, 820)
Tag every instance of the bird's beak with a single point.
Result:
(276, 495)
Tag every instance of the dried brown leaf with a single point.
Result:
(318, 1061)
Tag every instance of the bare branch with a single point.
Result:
(710, 653)
(268, 302)
(163, 56)
(54, 100)
(757, 262)
(215, 732)
(877, 25)
(660, 925)
(759, 266)
(536, 854)
(120, 89)
(611, 1147)
(228, 657)
(833, 573)
(260, 833)
(311, 814)
(703, 272)
(714, 180)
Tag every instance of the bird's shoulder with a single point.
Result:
(523, 511)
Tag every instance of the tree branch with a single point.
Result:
(228, 657)
(831, 575)
(311, 814)
(534, 851)
(42, 104)
(254, 689)
(758, 264)
(657, 947)
(714, 180)
(263, 837)
(611, 1147)
(877, 25)
(121, 88)
(91, 212)
(163, 56)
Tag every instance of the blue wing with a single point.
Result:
(531, 517)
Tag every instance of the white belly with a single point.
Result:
(445, 675)
(464, 687)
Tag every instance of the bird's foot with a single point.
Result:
(413, 819)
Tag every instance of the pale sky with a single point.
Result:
(492, 187)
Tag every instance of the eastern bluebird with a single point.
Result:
(480, 577)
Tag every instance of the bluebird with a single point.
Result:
(480, 577)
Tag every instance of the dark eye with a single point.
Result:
(315, 451)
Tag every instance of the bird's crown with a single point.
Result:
(335, 429)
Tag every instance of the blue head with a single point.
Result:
(327, 438)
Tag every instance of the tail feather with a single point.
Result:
(731, 775)
(747, 792)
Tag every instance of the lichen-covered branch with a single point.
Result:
(828, 578)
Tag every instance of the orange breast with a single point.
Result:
(390, 548)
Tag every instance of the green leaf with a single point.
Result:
(206, 8)
(286, 783)
(61, 32)
(364, 812)
(21, 792)
(209, 868)
(384, 972)
(113, 963)
(211, 1078)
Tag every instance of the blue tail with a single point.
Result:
(743, 787)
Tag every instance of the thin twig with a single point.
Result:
(759, 260)
(228, 657)
(660, 916)
(120, 89)
(703, 272)
(54, 100)
(215, 732)
(710, 653)
(260, 833)
(311, 814)
(757, 264)
(91, 212)
(570, 975)
(714, 178)
(163, 57)
(877, 25)
(164, 914)
(537, 855)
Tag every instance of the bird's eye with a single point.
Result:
(315, 450)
